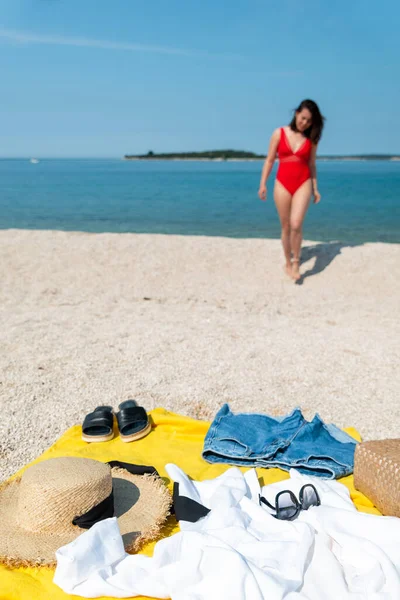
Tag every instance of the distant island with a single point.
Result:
(207, 155)
(221, 155)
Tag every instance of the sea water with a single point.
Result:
(360, 199)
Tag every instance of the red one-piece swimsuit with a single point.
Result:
(294, 167)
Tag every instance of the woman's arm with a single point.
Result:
(313, 170)
(268, 164)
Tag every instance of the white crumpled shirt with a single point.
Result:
(239, 551)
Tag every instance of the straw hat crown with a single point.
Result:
(53, 492)
(38, 510)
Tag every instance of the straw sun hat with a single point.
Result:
(38, 509)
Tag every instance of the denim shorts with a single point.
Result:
(255, 440)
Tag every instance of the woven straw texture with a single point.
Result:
(37, 509)
(377, 474)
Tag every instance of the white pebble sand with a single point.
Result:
(188, 323)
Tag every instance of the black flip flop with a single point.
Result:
(133, 422)
(98, 425)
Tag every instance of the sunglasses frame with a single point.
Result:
(297, 505)
(301, 496)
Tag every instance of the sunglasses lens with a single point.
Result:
(309, 497)
(287, 507)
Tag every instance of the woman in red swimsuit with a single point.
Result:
(296, 179)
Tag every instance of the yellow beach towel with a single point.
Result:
(174, 438)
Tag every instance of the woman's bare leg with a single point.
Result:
(300, 203)
(283, 201)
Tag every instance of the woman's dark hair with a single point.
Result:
(314, 132)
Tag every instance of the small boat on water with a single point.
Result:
(34, 161)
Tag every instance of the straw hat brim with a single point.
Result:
(141, 505)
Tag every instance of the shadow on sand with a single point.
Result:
(324, 254)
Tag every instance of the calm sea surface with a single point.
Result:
(360, 199)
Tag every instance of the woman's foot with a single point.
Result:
(296, 269)
(288, 269)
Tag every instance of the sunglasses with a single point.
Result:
(287, 507)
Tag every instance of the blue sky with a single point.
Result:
(105, 78)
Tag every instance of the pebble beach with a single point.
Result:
(188, 323)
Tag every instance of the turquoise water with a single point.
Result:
(360, 200)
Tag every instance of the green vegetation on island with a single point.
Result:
(243, 155)
(206, 155)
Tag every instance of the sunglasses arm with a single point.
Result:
(263, 500)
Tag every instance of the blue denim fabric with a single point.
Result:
(254, 440)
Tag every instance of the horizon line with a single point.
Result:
(144, 156)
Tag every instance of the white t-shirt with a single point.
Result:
(240, 551)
